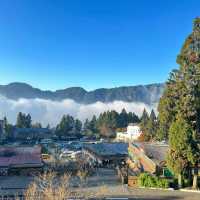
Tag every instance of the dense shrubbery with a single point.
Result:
(147, 180)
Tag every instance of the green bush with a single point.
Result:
(147, 180)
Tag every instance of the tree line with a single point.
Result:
(104, 125)
(107, 123)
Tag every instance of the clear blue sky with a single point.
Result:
(54, 44)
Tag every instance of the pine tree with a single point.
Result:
(179, 108)
(144, 125)
(20, 119)
(23, 120)
(86, 126)
(145, 116)
(66, 126)
(78, 126)
(123, 119)
(151, 126)
(167, 106)
(7, 128)
(48, 126)
(180, 141)
(189, 106)
(133, 118)
(93, 125)
(153, 115)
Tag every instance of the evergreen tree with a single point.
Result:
(145, 116)
(86, 127)
(28, 121)
(107, 123)
(66, 126)
(20, 120)
(189, 105)
(144, 124)
(78, 126)
(133, 118)
(180, 104)
(167, 106)
(23, 120)
(151, 126)
(7, 129)
(123, 119)
(48, 126)
(93, 125)
(180, 141)
(153, 115)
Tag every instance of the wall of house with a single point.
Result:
(133, 133)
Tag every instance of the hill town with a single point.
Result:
(113, 153)
(99, 100)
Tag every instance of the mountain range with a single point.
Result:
(148, 94)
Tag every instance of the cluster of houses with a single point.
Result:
(138, 157)
(126, 152)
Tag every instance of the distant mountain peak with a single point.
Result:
(18, 84)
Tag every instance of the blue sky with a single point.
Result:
(92, 43)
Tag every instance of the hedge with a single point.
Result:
(147, 180)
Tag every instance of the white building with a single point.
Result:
(133, 133)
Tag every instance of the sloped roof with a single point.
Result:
(155, 151)
(108, 149)
(30, 132)
(14, 156)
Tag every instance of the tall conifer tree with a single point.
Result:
(180, 104)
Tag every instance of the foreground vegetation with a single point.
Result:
(179, 111)
(147, 180)
(50, 186)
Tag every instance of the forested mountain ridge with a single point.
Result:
(147, 94)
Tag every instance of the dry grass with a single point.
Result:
(49, 187)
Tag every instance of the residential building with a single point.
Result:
(106, 153)
(31, 133)
(133, 133)
(20, 160)
(147, 157)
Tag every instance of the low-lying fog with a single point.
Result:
(48, 111)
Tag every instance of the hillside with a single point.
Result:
(148, 94)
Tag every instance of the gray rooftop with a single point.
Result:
(155, 151)
(108, 149)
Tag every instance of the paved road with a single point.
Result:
(143, 194)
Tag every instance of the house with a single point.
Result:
(31, 133)
(133, 133)
(147, 157)
(106, 153)
(20, 160)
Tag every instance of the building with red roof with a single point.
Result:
(20, 160)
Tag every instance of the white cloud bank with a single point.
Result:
(48, 111)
